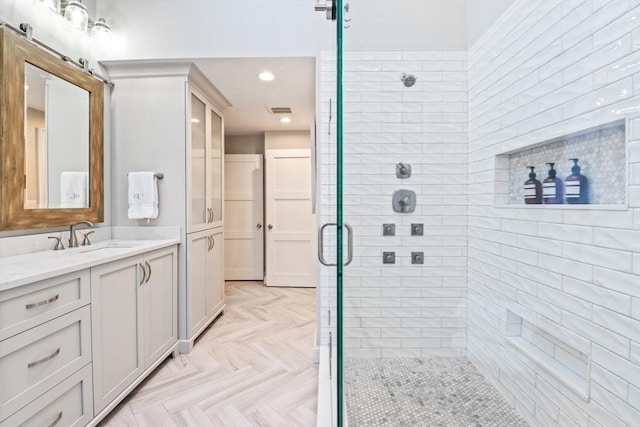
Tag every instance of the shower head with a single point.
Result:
(408, 79)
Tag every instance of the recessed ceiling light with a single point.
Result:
(195, 120)
(285, 120)
(266, 76)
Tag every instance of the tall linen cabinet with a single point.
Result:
(167, 117)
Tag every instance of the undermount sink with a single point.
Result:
(108, 245)
(103, 249)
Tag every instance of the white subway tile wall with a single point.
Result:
(543, 70)
(401, 309)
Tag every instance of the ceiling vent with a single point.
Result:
(279, 110)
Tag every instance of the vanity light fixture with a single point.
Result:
(76, 14)
(285, 119)
(266, 76)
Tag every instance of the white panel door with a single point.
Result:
(244, 231)
(291, 236)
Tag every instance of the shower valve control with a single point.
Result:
(388, 257)
(417, 257)
(404, 201)
(417, 229)
(388, 229)
(403, 170)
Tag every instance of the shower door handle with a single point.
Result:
(349, 244)
(321, 244)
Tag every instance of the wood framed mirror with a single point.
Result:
(51, 139)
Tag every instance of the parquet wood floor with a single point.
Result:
(252, 367)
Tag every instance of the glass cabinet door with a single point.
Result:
(198, 214)
(215, 157)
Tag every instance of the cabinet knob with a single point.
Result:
(269, 226)
(259, 226)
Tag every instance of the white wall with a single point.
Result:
(547, 68)
(249, 144)
(286, 140)
(204, 28)
(481, 14)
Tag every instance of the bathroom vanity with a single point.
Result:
(81, 328)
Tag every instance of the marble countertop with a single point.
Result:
(28, 268)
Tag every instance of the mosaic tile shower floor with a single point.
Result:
(430, 392)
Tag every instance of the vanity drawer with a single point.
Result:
(66, 405)
(36, 360)
(28, 306)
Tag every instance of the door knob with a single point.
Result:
(259, 226)
(269, 226)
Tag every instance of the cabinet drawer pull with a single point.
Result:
(149, 270)
(46, 359)
(41, 303)
(57, 420)
(144, 274)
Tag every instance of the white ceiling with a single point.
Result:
(237, 78)
(410, 24)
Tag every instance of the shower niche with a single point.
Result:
(600, 153)
(562, 353)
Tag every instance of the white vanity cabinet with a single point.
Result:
(81, 328)
(45, 337)
(170, 120)
(133, 308)
(205, 296)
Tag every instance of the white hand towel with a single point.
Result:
(74, 189)
(143, 195)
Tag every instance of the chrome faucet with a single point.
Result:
(73, 239)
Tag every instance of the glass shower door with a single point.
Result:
(401, 184)
(462, 305)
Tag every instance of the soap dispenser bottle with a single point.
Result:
(552, 188)
(532, 189)
(576, 186)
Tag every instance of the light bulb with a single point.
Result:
(266, 76)
(76, 14)
(285, 120)
(100, 29)
(52, 5)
